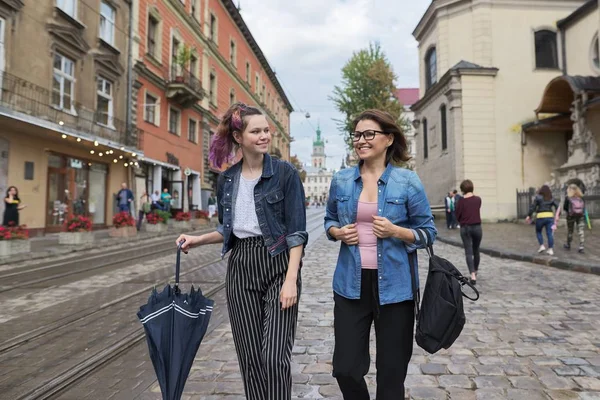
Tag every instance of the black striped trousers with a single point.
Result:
(263, 333)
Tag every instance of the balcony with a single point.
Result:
(183, 87)
(22, 97)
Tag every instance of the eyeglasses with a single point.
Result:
(368, 135)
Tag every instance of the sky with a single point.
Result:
(308, 42)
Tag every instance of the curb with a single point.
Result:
(577, 266)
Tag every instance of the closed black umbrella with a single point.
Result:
(175, 324)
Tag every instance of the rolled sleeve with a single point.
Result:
(331, 217)
(420, 217)
(295, 209)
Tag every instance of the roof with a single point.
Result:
(237, 17)
(462, 64)
(561, 91)
(407, 96)
(580, 12)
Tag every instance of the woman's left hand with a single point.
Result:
(383, 228)
(289, 294)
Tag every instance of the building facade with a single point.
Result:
(64, 138)
(407, 97)
(318, 177)
(483, 66)
(193, 59)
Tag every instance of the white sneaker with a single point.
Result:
(550, 252)
(541, 249)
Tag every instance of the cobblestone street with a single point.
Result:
(534, 334)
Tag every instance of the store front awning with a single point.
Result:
(556, 123)
(560, 93)
(163, 164)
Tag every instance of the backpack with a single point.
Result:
(576, 206)
(441, 317)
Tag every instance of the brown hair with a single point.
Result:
(397, 152)
(221, 149)
(466, 186)
(545, 192)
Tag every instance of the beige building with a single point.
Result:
(318, 177)
(484, 65)
(64, 141)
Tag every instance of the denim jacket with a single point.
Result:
(402, 200)
(280, 206)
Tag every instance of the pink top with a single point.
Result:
(367, 241)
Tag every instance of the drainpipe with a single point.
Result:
(128, 113)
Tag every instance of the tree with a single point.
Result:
(296, 163)
(367, 82)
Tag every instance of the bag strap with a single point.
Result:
(415, 289)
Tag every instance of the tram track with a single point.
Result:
(70, 377)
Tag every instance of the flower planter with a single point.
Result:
(75, 238)
(125, 231)
(12, 247)
(183, 224)
(156, 228)
(199, 222)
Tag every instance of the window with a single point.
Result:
(107, 23)
(247, 72)
(256, 84)
(425, 144)
(231, 96)
(430, 68)
(194, 66)
(213, 28)
(152, 36)
(262, 94)
(150, 111)
(63, 82)
(68, 6)
(104, 103)
(444, 127)
(174, 51)
(546, 54)
(268, 99)
(173, 121)
(192, 131)
(232, 52)
(195, 9)
(212, 93)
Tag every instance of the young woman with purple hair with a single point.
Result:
(262, 219)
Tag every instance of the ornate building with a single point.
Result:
(318, 178)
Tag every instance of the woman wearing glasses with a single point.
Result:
(375, 210)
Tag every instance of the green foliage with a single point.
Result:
(296, 163)
(367, 82)
(164, 215)
(184, 55)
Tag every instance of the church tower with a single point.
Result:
(318, 154)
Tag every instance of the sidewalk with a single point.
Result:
(517, 241)
(47, 246)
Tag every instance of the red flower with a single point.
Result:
(123, 219)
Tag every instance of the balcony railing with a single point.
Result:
(28, 98)
(183, 86)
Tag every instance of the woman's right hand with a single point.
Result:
(347, 234)
(189, 241)
(528, 220)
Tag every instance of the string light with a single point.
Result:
(126, 164)
(91, 151)
(115, 160)
(79, 139)
(100, 154)
(61, 123)
(64, 136)
(120, 157)
(96, 143)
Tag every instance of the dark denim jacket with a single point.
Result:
(280, 207)
(402, 200)
(540, 205)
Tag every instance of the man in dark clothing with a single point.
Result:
(449, 204)
(456, 198)
(125, 197)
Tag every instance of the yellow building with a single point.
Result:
(484, 65)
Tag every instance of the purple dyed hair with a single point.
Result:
(223, 144)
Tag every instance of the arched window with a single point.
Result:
(430, 68)
(546, 53)
(443, 123)
(425, 144)
(595, 53)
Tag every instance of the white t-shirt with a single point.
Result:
(245, 220)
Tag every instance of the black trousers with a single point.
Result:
(471, 237)
(263, 333)
(394, 338)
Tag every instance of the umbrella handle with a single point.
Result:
(178, 263)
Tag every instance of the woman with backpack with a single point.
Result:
(544, 206)
(375, 209)
(575, 208)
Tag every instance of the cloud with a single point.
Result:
(308, 42)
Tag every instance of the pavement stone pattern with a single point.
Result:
(534, 334)
(520, 238)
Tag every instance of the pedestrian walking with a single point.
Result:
(544, 207)
(262, 219)
(12, 207)
(212, 205)
(449, 201)
(145, 206)
(374, 209)
(456, 198)
(575, 208)
(125, 197)
(468, 215)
